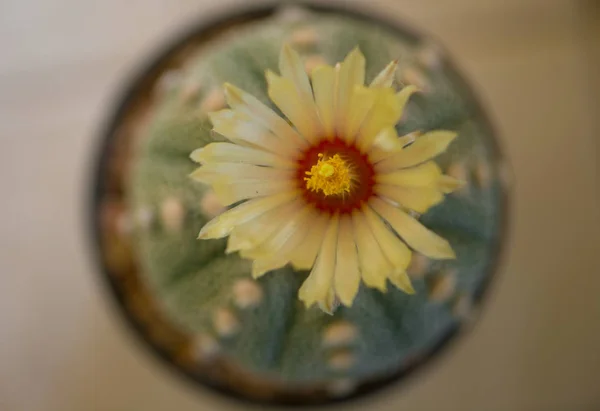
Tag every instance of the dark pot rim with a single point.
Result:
(136, 83)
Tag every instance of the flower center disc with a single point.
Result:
(324, 170)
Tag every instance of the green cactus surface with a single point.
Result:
(260, 325)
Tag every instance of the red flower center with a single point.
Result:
(361, 188)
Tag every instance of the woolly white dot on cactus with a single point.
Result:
(172, 214)
(225, 322)
(210, 204)
(340, 333)
(418, 265)
(459, 171)
(214, 100)
(442, 285)
(304, 37)
(483, 174)
(205, 348)
(247, 293)
(341, 360)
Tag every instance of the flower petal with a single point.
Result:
(413, 232)
(229, 192)
(386, 112)
(362, 101)
(396, 252)
(329, 303)
(287, 237)
(386, 77)
(419, 199)
(423, 175)
(286, 96)
(291, 68)
(347, 273)
(231, 172)
(448, 184)
(401, 280)
(404, 95)
(388, 140)
(303, 257)
(424, 148)
(350, 73)
(374, 266)
(387, 143)
(317, 287)
(261, 266)
(229, 153)
(238, 128)
(258, 230)
(251, 106)
(324, 87)
(236, 242)
(221, 225)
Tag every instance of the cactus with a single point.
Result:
(259, 325)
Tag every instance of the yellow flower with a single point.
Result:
(332, 189)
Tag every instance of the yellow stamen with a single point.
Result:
(331, 176)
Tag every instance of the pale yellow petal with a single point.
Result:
(196, 155)
(386, 77)
(221, 225)
(388, 140)
(424, 148)
(350, 73)
(396, 252)
(236, 242)
(287, 226)
(324, 86)
(402, 281)
(203, 175)
(287, 237)
(317, 287)
(242, 130)
(230, 153)
(303, 257)
(251, 106)
(374, 266)
(347, 273)
(262, 266)
(448, 184)
(419, 199)
(228, 114)
(361, 103)
(231, 172)
(329, 303)
(385, 113)
(409, 138)
(286, 96)
(413, 232)
(254, 232)
(292, 68)
(387, 143)
(405, 94)
(229, 192)
(423, 175)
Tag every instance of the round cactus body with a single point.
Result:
(258, 326)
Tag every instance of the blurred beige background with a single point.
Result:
(536, 63)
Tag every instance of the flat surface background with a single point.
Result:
(536, 64)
